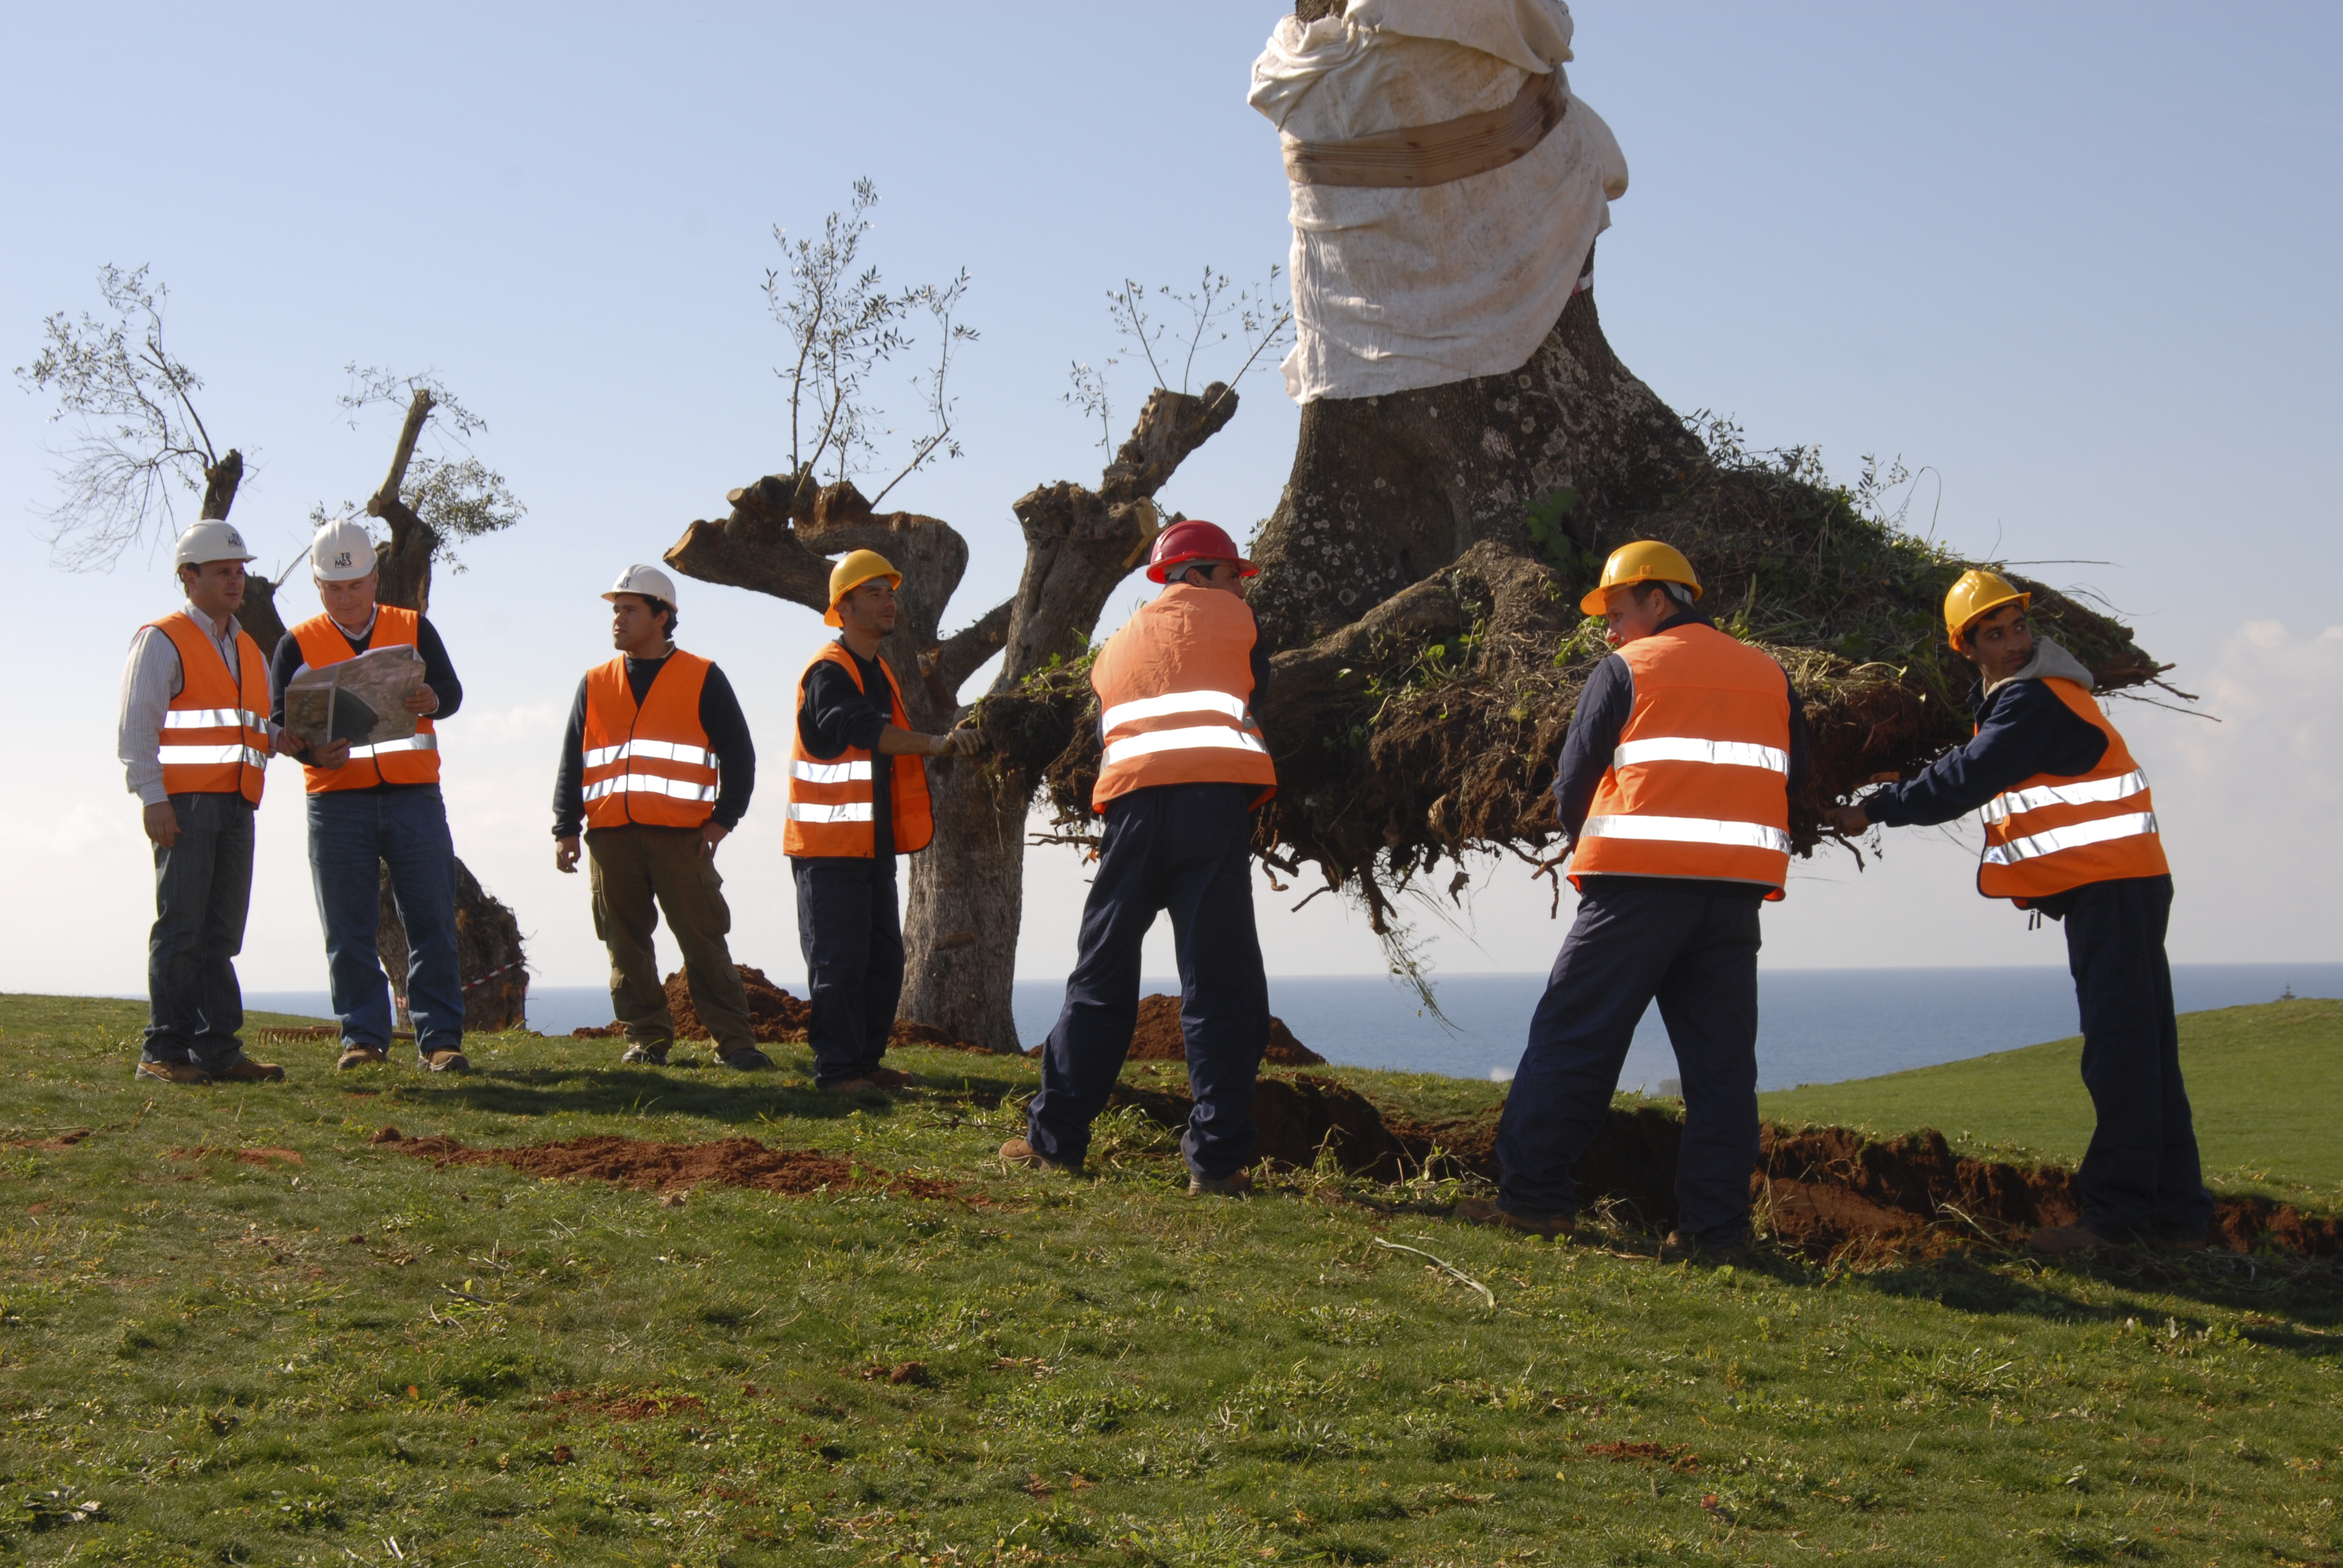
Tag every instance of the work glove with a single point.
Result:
(965, 741)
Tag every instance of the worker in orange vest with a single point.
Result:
(379, 806)
(1673, 788)
(195, 739)
(657, 766)
(2070, 830)
(858, 798)
(1183, 767)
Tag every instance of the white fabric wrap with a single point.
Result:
(1399, 289)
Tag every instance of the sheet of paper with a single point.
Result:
(361, 700)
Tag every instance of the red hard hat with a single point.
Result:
(1194, 539)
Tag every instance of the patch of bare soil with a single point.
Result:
(633, 1407)
(1158, 1038)
(243, 1156)
(643, 1163)
(775, 1017)
(57, 1144)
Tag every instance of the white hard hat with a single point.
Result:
(342, 552)
(649, 582)
(209, 540)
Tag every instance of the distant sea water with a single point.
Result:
(1815, 1026)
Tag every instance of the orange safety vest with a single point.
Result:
(831, 802)
(648, 764)
(1699, 784)
(1174, 690)
(414, 760)
(2051, 833)
(214, 735)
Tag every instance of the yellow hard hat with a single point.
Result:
(1646, 560)
(1976, 595)
(857, 567)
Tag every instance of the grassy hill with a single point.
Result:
(236, 1328)
(2266, 1084)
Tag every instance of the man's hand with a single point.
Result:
(162, 824)
(712, 833)
(422, 701)
(965, 741)
(565, 855)
(1848, 820)
(332, 754)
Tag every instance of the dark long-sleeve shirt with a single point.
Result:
(438, 673)
(720, 716)
(2022, 730)
(1603, 709)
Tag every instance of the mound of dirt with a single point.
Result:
(640, 1162)
(1158, 1038)
(775, 1016)
(1820, 1192)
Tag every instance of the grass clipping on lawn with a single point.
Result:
(1430, 728)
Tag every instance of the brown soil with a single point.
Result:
(1820, 1192)
(62, 1141)
(1158, 1038)
(640, 1162)
(776, 1017)
(243, 1156)
(634, 1407)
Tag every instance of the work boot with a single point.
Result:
(2187, 1244)
(1680, 1248)
(1489, 1212)
(2059, 1240)
(890, 1078)
(852, 1086)
(181, 1072)
(748, 1060)
(445, 1061)
(644, 1056)
(360, 1056)
(242, 1068)
(1017, 1152)
(1235, 1184)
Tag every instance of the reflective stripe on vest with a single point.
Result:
(648, 763)
(1698, 784)
(831, 812)
(214, 739)
(414, 760)
(2049, 834)
(1174, 689)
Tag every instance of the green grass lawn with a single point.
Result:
(2266, 1084)
(360, 1357)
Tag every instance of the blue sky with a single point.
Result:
(2073, 260)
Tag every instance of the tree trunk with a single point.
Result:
(488, 959)
(966, 895)
(220, 482)
(405, 561)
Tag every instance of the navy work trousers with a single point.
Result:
(353, 833)
(1185, 848)
(203, 889)
(2139, 1178)
(1638, 938)
(852, 937)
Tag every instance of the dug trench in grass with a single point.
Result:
(1819, 1191)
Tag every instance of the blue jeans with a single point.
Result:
(1185, 849)
(1638, 938)
(351, 832)
(202, 886)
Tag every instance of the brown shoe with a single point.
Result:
(1235, 1184)
(359, 1056)
(244, 1070)
(851, 1086)
(1680, 1248)
(2058, 1241)
(891, 1078)
(1017, 1152)
(1489, 1212)
(445, 1061)
(180, 1072)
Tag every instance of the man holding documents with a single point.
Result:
(373, 777)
